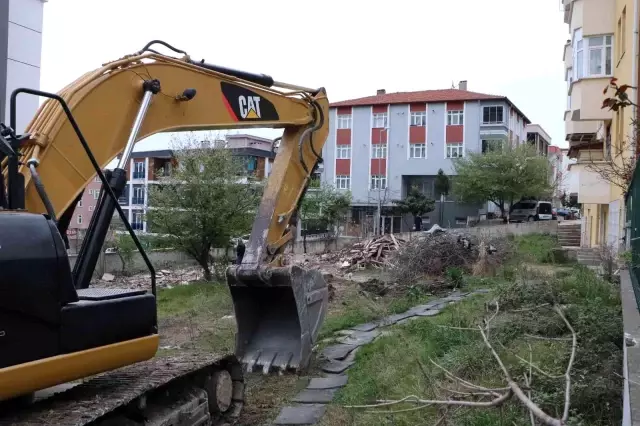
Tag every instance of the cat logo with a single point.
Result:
(249, 106)
(243, 104)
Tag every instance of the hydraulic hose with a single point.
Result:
(40, 188)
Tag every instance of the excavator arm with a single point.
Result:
(100, 116)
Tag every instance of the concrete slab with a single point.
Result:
(359, 338)
(365, 327)
(307, 414)
(332, 381)
(315, 396)
(336, 367)
(339, 351)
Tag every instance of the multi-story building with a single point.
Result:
(538, 138)
(146, 168)
(20, 56)
(379, 146)
(602, 45)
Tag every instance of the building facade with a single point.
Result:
(602, 45)
(379, 146)
(20, 56)
(147, 168)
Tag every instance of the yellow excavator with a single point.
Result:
(55, 328)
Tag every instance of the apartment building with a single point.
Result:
(538, 138)
(147, 168)
(20, 56)
(379, 146)
(602, 45)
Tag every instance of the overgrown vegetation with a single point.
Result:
(322, 209)
(417, 204)
(445, 357)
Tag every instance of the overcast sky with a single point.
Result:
(352, 48)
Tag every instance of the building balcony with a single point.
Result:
(592, 189)
(567, 57)
(578, 131)
(137, 201)
(566, 8)
(586, 99)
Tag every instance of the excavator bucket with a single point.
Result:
(279, 312)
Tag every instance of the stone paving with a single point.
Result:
(311, 402)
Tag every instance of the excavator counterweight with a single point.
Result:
(56, 328)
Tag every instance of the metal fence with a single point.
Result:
(632, 202)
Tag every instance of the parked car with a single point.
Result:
(530, 210)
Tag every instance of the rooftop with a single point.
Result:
(424, 96)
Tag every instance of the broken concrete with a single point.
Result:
(315, 396)
(303, 415)
(332, 381)
(338, 352)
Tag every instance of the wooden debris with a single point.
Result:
(374, 251)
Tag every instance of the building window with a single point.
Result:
(380, 120)
(138, 170)
(344, 121)
(379, 150)
(137, 221)
(455, 118)
(600, 53)
(343, 182)
(622, 31)
(489, 145)
(96, 179)
(138, 195)
(90, 208)
(419, 118)
(343, 151)
(378, 182)
(569, 81)
(493, 115)
(80, 203)
(454, 150)
(418, 150)
(79, 219)
(95, 193)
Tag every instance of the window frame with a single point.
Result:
(343, 179)
(79, 219)
(422, 147)
(582, 52)
(376, 116)
(378, 182)
(459, 147)
(378, 150)
(341, 149)
(344, 121)
(485, 107)
(458, 115)
(418, 119)
(490, 142)
(607, 44)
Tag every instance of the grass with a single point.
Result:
(203, 295)
(399, 364)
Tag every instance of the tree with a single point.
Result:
(206, 201)
(502, 176)
(323, 207)
(417, 204)
(442, 186)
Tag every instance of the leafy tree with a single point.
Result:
(323, 207)
(417, 204)
(206, 201)
(502, 176)
(442, 184)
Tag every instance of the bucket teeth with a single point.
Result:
(279, 312)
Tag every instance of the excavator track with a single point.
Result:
(185, 390)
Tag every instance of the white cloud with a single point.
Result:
(506, 47)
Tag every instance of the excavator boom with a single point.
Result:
(73, 136)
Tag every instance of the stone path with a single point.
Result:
(311, 402)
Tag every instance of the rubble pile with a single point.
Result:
(164, 279)
(373, 252)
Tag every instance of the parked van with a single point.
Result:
(530, 210)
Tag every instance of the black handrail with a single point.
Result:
(96, 166)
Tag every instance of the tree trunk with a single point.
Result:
(203, 261)
(304, 242)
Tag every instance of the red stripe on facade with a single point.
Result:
(418, 107)
(454, 134)
(378, 167)
(343, 137)
(379, 108)
(344, 111)
(455, 106)
(417, 134)
(378, 136)
(343, 167)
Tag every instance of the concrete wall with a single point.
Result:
(20, 51)
(166, 259)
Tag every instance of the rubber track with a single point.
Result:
(104, 393)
